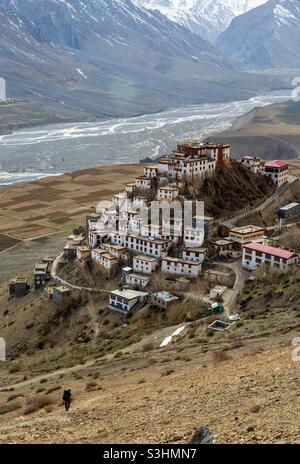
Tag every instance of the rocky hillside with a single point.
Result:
(238, 383)
(245, 189)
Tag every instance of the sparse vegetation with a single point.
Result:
(36, 403)
(10, 407)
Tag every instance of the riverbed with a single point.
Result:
(31, 154)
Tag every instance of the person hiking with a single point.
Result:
(67, 399)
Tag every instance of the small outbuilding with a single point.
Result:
(217, 292)
(18, 287)
(163, 299)
(61, 294)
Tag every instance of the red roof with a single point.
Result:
(285, 254)
(276, 164)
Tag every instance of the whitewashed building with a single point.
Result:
(118, 199)
(246, 234)
(104, 259)
(254, 164)
(278, 171)
(125, 300)
(140, 201)
(137, 280)
(129, 188)
(196, 255)
(118, 238)
(151, 171)
(168, 193)
(257, 254)
(190, 169)
(118, 251)
(193, 237)
(145, 264)
(179, 266)
(143, 183)
(146, 246)
(83, 253)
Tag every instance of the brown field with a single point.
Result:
(263, 133)
(49, 209)
(55, 204)
(7, 242)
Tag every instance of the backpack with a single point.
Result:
(66, 395)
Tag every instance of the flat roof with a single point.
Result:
(128, 294)
(43, 266)
(223, 242)
(145, 258)
(166, 187)
(166, 296)
(151, 166)
(139, 276)
(62, 289)
(112, 245)
(99, 251)
(180, 260)
(246, 229)
(218, 272)
(148, 239)
(219, 289)
(19, 280)
(289, 206)
(279, 252)
(195, 250)
(119, 195)
(110, 257)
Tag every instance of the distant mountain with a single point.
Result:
(108, 57)
(208, 18)
(266, 37)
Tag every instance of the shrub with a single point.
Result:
(15, 396)
(40, 390)
(90, 386)
(36, 403)
(53, 389)
(220, 356)
(10, 407)
(15, 368)
(167, 372)
(148, 347)
(236, 344)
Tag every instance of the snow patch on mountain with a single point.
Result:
(208, 18)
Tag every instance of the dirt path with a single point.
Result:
(232, 221)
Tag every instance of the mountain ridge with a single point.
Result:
(110, 58)
(266, 37)
(207, 18)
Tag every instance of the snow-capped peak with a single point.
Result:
(207, 18)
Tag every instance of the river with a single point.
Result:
(54, 149)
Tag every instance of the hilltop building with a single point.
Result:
(278, 171)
